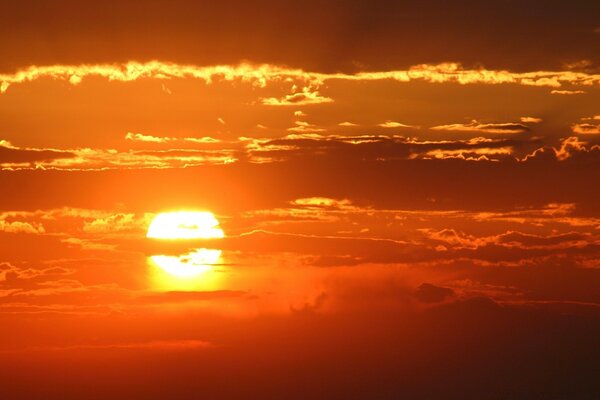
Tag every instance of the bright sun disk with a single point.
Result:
(188, 265)
(185, 225)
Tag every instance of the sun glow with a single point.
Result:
(185, 225)
(188, 265)
(196, 270)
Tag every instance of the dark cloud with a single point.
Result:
(428, 293)
(382, 147)
(395, 184)
(535, 240)
(461, 350)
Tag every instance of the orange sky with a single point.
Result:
(407, 194)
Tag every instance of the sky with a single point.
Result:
(324, 200)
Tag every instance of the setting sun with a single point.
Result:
(237, 200)
(185, 225)
(188, 265)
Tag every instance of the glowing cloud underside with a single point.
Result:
(185, 225)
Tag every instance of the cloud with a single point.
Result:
(475, 126)
(258, 75)
(475, 154)
(103, 159)
(9, 272)
(594, 118)
(306, 97)
(305, 127)
(530, 120)
(453, 239)
(307, 141)
(568, 92)
(10, 154)
(552, 241)
(384, 170)
(120, 222)
(578, 65)
(348, 234)
(375, 147)
(394, 124)
(429, 293)
(20, 227)
(454, 72)
(347, 124)
(262, 75)
(586, 129)
(204, 139)
(322, 202)
(571, 147)
(139, 137)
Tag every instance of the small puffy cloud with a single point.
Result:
(586, 129)
(221, 121)
(307, 96)
(453, 238)
(347, 124)
(394, 124)
(578, 65)
(21, 227)
(138, 137)
(305, 127)
(530, 120)
(476, 126)
(299, 113)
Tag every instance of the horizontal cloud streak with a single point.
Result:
(261, 75)
(475, 126)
